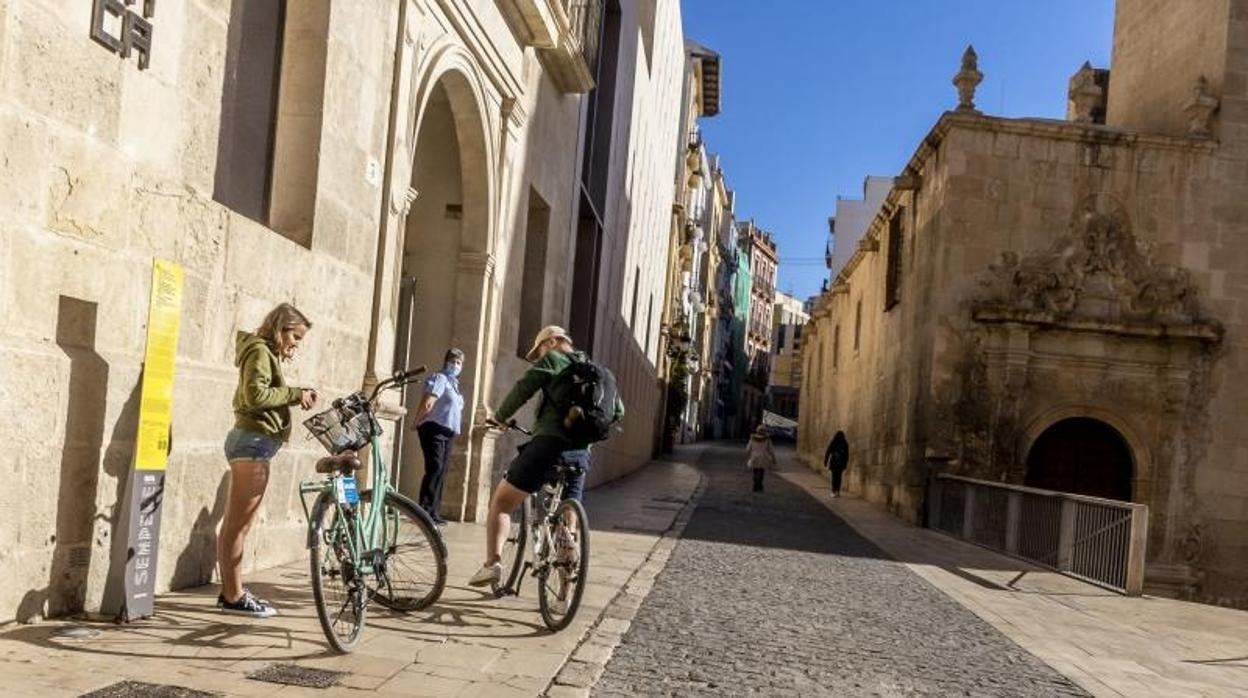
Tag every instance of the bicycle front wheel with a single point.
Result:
(513, 548)
(339, 592)
(561, 580)
(411, 573)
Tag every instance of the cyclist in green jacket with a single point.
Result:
(552, 352)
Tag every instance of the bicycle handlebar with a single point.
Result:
(510, 425)
(400, 378)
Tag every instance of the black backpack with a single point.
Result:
(584, 395)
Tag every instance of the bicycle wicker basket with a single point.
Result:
(344, 427)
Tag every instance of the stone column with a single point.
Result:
(474, 274)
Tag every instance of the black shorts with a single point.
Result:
(535, 465)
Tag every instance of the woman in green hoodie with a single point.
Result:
(262, 424)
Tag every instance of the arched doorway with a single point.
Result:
(1084, 456)
(443, 267)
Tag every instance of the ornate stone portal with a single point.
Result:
(1097, 273)
(1092, 327)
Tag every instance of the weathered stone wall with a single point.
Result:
(1160, 48)
(987, 388)
(105, 168)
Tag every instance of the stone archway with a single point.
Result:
(1084, 456)
(444, 268)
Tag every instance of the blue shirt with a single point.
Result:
(449, 406)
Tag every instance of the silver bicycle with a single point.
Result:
(549, 541)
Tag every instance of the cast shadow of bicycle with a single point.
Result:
(184, 629)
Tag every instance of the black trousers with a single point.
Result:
(758, 479)
(435, 443)
(836, 480)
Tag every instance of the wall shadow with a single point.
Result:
(198, 560)
(66, 589)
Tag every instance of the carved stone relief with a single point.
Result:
(1097, 271)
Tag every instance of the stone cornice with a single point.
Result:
(1053, 129)
(1199, 331)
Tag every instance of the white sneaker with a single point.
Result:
(489, 573)
(565, 546)
(559, 605)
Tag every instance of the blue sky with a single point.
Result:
(818, 94)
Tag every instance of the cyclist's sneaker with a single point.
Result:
(559, 605)
(565, 546)
(489, 573)
(247, 605)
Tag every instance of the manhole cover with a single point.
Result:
(295, 675)
(75, 633)
(141, 689)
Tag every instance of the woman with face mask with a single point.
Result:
(437, 424)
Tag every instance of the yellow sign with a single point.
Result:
(164, 316)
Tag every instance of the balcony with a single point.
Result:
(533, 21)
(565, 34)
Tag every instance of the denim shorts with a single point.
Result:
(241, 444)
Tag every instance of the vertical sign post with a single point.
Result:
(151, 452)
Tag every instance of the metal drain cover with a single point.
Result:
(141, 689)
(295, 675)
(76, 633)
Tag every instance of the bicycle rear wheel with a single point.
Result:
(513, 548)
(340, 595)
(561, 581)
(412, 572)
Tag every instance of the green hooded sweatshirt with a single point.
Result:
(262, 401)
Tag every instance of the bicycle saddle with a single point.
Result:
(345, 463)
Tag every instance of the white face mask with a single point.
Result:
(453, 369)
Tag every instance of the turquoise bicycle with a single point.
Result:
(374, 545)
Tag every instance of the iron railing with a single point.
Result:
(1101, 541)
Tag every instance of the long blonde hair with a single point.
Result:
(283, 317)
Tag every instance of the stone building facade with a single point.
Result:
(788, 323)
(1037, 294)
(758, 249)
(410, 173)
(690, 256)
(726, 333)
(634, 176)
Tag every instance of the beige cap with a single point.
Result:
(548, 332)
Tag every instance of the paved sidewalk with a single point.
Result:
(468, 644)
(1111, 645)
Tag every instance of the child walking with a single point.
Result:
(761, 456)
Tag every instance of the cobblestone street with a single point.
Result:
(773, 593)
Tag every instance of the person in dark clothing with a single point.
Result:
(836, 459)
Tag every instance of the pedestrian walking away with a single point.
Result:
(836, 460)
(438, 418)
(554, 440)
(760, 456)
(262, 424)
